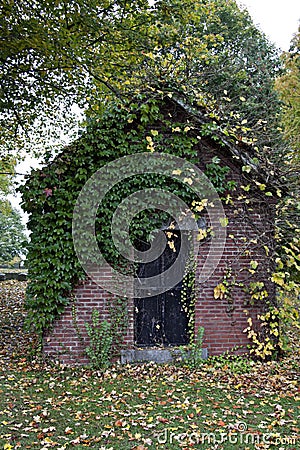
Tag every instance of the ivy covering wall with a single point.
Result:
(49, 194)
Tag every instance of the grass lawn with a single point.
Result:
(149, 406)
(223, 405)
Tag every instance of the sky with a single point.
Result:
(278, 19)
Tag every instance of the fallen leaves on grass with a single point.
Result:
(15, 343)
(144, 406)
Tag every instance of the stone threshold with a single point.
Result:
(152, 354)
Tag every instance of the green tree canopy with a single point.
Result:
(56, 54)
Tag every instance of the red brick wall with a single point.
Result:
(223, 322)
(68, 339)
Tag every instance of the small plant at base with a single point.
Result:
(101, 339)
(236, 364)
(192, 355)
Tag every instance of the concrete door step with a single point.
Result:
(158, 355)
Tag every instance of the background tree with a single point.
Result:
(288, 86)
(13, 238)
(6, 173)
(12, 231)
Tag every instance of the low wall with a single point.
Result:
(21, 276)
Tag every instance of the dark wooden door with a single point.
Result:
(160, 320)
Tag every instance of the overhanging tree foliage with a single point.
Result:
(51, 53)
(55, 54)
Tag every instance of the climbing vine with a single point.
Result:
(188, 293)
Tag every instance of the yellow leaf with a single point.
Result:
(171, 245)
(177, 172)
(201, 235)
(278, 278)
(219, 291)
(188, 181)
(246, 169)
(246, 188)
(7, 446)
(223, 221)
(199, 206)
(254, 264)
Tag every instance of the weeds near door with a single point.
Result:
(192, 355)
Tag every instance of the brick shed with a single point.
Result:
(161, 322)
